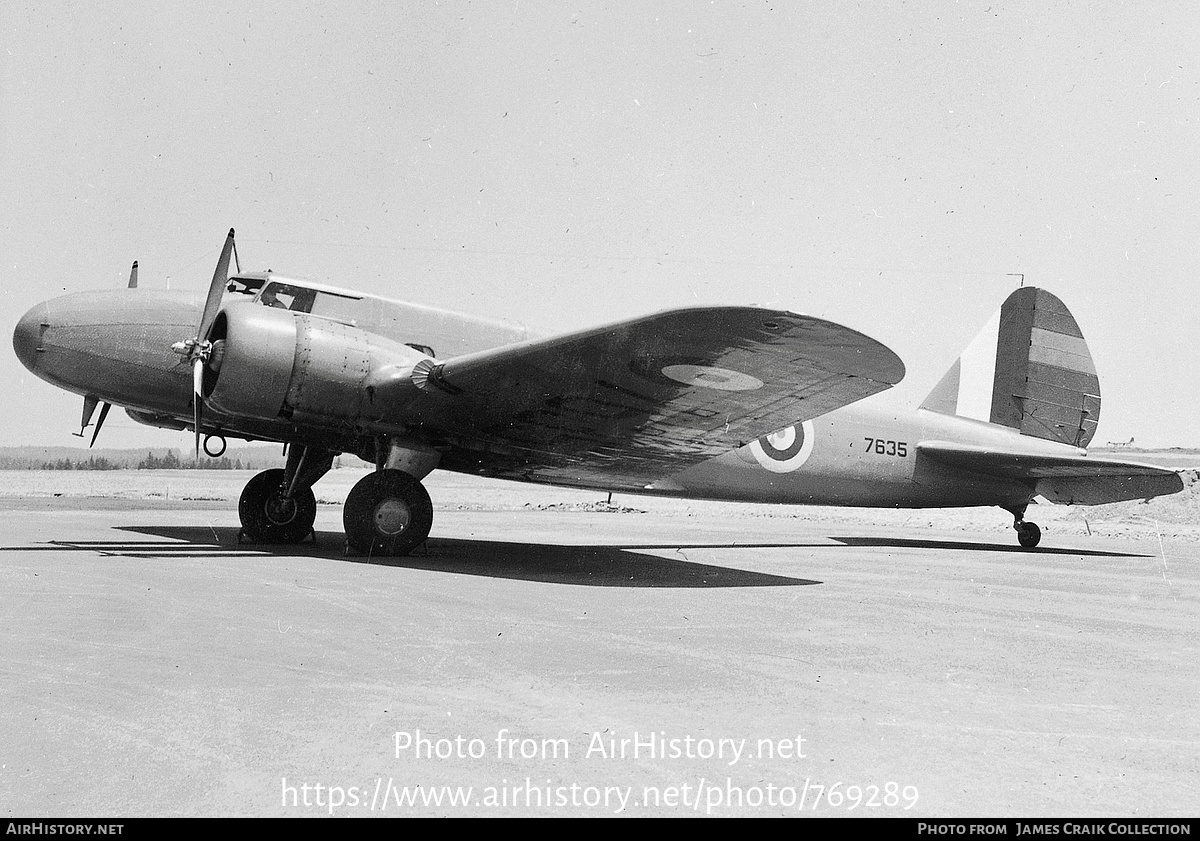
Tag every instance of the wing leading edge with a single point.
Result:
(632, 402)
(1067, 479)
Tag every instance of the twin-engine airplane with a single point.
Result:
(729, 403)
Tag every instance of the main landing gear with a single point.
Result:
(387, 513)
(278, 506)
(270, 515)
(1028, 534)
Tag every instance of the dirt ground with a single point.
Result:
(551, 653)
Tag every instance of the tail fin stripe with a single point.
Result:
(1056, 358)
(1057, 323)
(1052, 395)
(1051, 375)
(977, 373)
(1056, 415)
(1043, 338)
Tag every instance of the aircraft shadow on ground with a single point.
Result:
(904, 543)
(595, 566)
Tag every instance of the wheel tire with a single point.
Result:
(268, 518)
(1029, 535)
(387, 513)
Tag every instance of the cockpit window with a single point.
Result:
(288, 297)
(302, 299)
(244, 285)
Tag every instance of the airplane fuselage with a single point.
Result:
(116, 346)
(859, 455)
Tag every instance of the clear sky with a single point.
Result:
(882, 164)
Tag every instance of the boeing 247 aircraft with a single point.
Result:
(727, 403)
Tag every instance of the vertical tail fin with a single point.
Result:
(1028, 369)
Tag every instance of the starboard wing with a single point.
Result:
(625, 404)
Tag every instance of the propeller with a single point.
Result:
(199, 349)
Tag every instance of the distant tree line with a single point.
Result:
(170, 461)
(92, 463)
(255, 457)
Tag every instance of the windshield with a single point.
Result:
(244, 285)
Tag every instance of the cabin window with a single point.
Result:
(331, 305)
(338, 307)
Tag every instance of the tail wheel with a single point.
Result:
(1028, 535)
(387, 513)
(269, 517)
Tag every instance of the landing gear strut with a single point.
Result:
(278, 506)
(269, 516)
(1028, 534)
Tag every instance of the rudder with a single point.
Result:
(1028, 369)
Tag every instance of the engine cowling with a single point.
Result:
(269, 363)
(254, 354)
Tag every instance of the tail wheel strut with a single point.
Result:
(1028, 534)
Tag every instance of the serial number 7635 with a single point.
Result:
(880, 447)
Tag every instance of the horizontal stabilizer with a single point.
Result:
(1065, 478)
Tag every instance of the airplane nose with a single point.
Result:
(27, 338)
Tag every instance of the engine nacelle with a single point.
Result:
(254, 354)
(269, 363)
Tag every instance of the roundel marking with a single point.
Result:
(707, 376)
(785, 450)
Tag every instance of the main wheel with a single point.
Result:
(1028, 535)
(268, 517)
(387, 513)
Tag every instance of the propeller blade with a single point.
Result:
(197, 398)
(133, 276)
(103, 414)
(216, 289)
